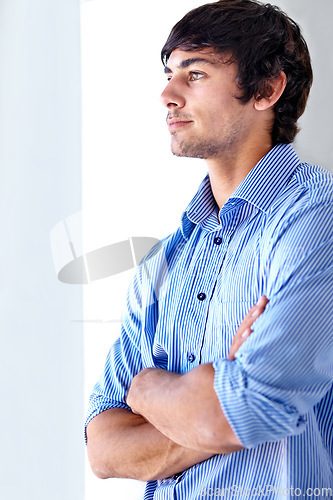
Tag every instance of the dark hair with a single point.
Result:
(263, 41)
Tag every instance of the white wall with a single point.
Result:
(315, 141)
(41, 352)
(132, 185)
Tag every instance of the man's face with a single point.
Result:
(205, 118)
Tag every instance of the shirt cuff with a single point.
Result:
(97, 405)
(255, 416)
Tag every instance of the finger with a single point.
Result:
(244, 330)
(259, 306)
(237, 342)
(253, 314)
(246, 334)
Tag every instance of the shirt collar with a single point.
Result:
(269, 177)
(260, 187)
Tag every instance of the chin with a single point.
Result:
(203, 151)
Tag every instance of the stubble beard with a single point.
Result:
(203, 149)
(197, 149)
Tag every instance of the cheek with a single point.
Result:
(215, 109)
(221, 116)
(222, 106)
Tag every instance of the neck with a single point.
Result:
(226, 173)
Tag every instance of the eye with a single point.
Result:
(195, 75)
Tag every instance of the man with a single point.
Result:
(222, 380)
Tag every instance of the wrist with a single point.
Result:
(138, 389)
(146, 389)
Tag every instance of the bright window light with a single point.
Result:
(132, 185)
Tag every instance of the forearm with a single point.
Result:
(179, 422)
(184, 408)
(121, 444)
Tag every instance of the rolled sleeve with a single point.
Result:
(133, 350)
(286, 366)
(123, 361)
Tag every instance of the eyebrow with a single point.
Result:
(187, 62)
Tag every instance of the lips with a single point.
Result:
(177, 122)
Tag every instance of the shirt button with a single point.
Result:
(218, 241)
(190, 357)
(176, 476)
(201, 296)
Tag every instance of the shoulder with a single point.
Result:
(308, 194)
(300, 219)
(316, 183)
(160, 260)
(165, 249)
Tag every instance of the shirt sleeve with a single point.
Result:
(286, 366)
(123, 361)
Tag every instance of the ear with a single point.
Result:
(274, 91)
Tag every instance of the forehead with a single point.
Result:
(207, 59)
(180, 59)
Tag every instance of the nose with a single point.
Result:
(172, 95)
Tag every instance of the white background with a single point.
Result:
(132, 185)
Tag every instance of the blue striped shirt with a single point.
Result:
(273, 236)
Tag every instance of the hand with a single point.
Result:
(138, 390)
(244, 329)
